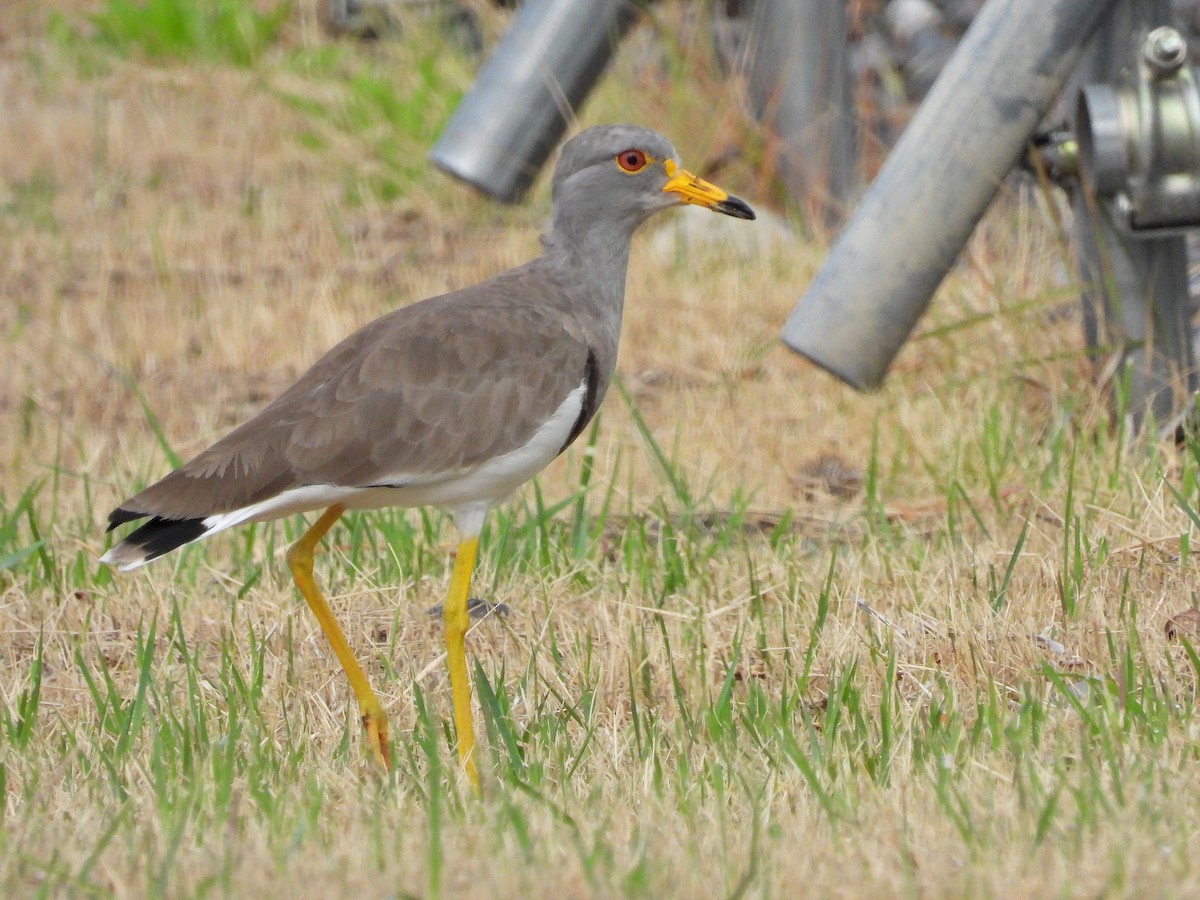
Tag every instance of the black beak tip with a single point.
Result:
(736, 207)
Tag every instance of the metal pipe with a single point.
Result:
(1136, 298)
(799, 85)
(527, 92)
(937, 183)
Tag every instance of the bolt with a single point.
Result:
(1165, 50)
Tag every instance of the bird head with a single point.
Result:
(623, 174)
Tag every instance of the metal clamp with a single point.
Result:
(1139, 144)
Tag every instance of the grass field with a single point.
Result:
(769, 638)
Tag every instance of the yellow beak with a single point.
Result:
(691, 189)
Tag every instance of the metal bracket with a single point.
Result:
(1139, 143)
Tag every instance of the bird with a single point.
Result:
(453, 401)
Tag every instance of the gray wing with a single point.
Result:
(439, 386)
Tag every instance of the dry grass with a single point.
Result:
(910, 643)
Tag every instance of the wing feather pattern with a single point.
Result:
(437, 387)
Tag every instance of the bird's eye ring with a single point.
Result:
(632, 160)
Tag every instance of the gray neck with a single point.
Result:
(592, 251)
(589, 258)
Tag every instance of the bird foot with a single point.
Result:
(477, 608)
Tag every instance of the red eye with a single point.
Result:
(631, 160)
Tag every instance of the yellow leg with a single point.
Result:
(457, 621)
(300, 558)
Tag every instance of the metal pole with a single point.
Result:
(1136, 300)
(937, 183)
(799, 84)
(527, 92)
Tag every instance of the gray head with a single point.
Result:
(611, 178)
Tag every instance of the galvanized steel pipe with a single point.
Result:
(527, 92)
(799, 84)
(937, 183)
